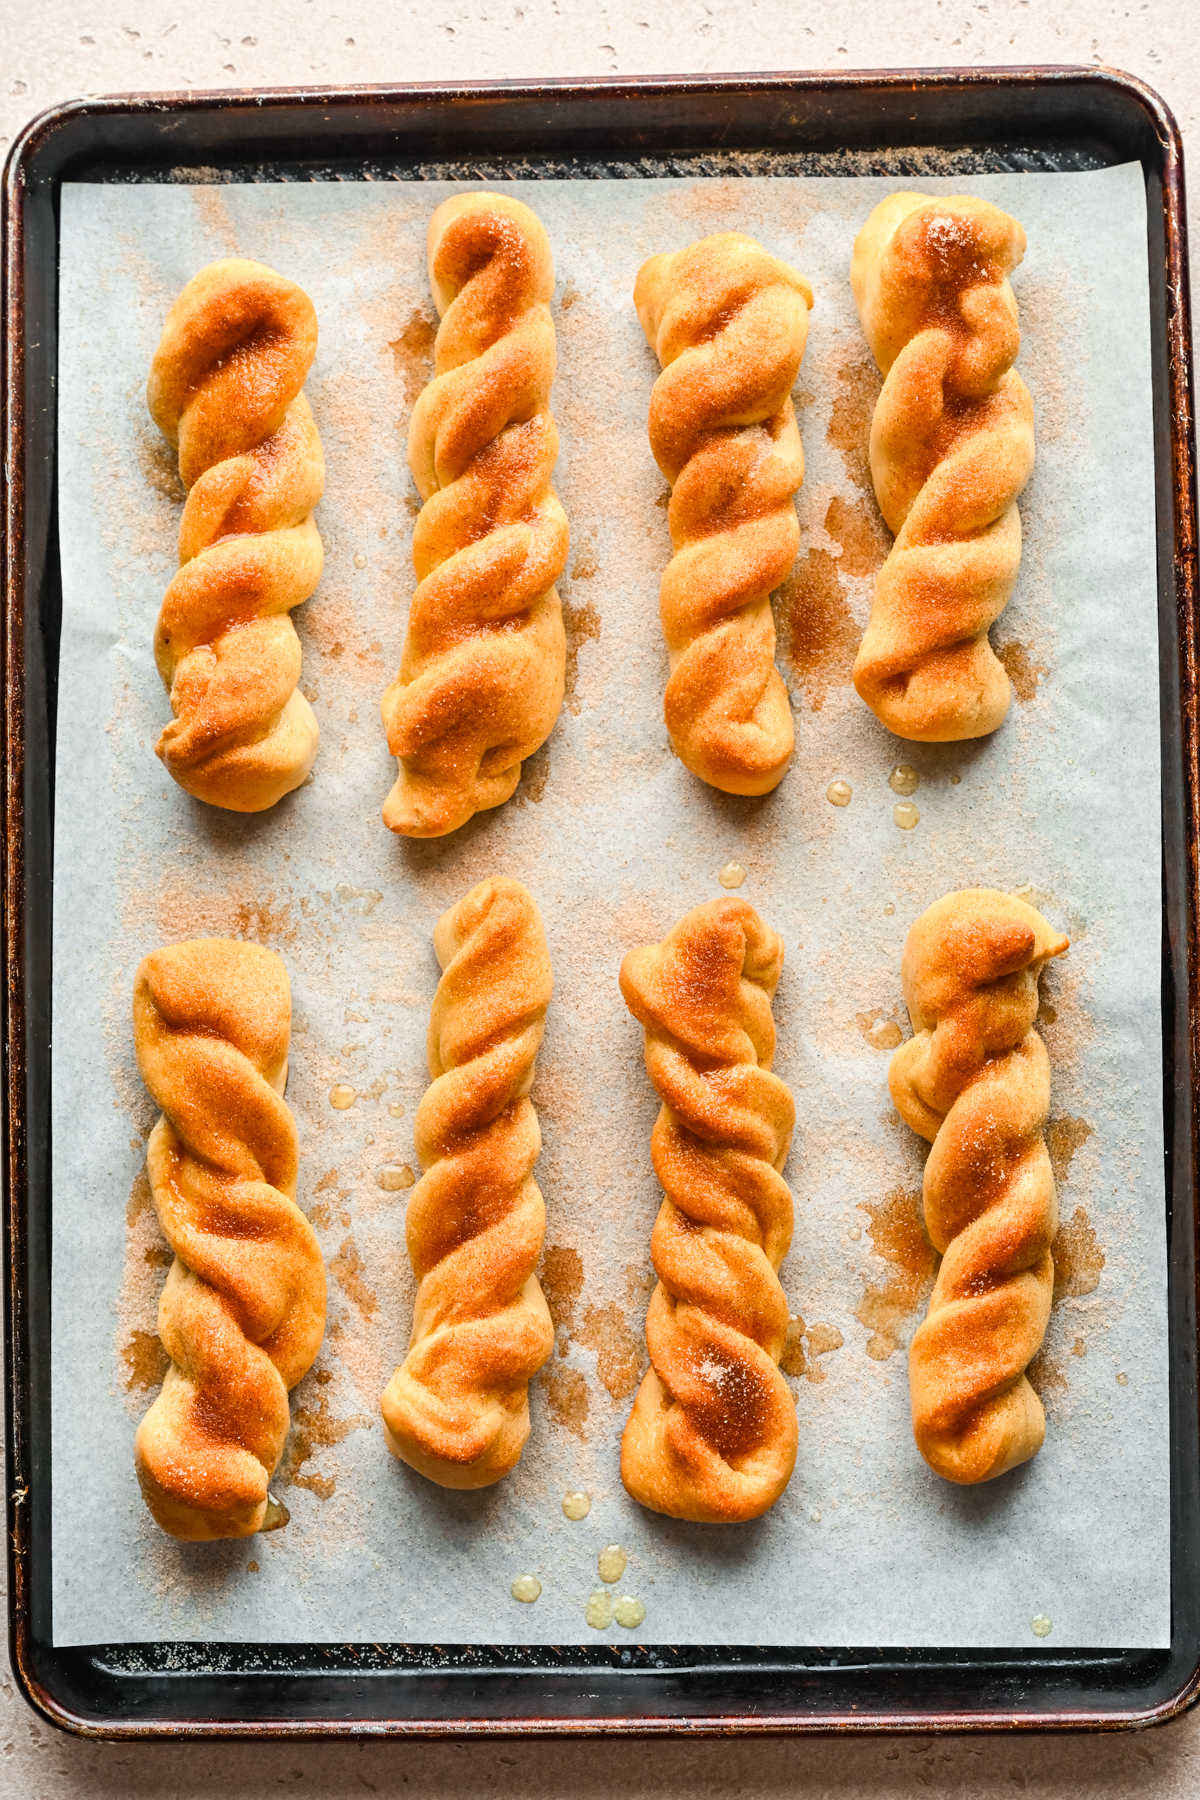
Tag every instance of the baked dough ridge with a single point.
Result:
(975, 1080)
(951, 449)
(728, 323)
(225, 390)
(712, 1434)
(484, 663)
(457, 1408)
(242, 1313)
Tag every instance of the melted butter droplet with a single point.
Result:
(839, 793)
(629, 1612)
(360, 561)
(526, 1588)
(275, 1515)
(393, 1178)
(396, 1110)
(611, 1562)
(1122, 1380)
(1041, 1625)
(599, 1610)
(885, 1034)
(732, 875)
(889, 910)
(342, 1096)
(904, 779)
(576, 1504)
(905, 814)
(854, 1233)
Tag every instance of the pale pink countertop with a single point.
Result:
(52, 50)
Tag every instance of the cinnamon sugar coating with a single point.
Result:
(712, 1434)
(728, 323)
(975, 1080)
(951, 449)
(226, 391)
(243, 1310)
(481, 678)
(457, 1408)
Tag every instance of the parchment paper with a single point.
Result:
(617, 840)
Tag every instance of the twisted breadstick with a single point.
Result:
(728, 324)
(712, 1434)
(457, 1408)
(951, 448)
(481, 680)
(243, 1310)
(225, 389)
(975, 1080)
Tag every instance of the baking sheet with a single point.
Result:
(617, 840)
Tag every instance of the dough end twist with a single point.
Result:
(951, 449)
(728, 324)
(457, 1408)
(975, 1080)
(484, 664)
(243, 1310)
(712, 1434)
(225, 390)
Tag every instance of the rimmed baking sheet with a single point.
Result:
(615, 839)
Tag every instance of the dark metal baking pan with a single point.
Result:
(897, 124)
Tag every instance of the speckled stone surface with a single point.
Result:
(58, 48)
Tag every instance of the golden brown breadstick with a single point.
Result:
(243, 1310)
(481, 680)
(225, 389)
(457, 1408)
(951, 449)
(712, 1434)
(975, 1080)
(728, 323)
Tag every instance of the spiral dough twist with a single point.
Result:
(951, 449)
(975, 1080)
(728, 324)
(712, 1434)
(225, 389)
(481, 680)
(457, 1409)
(243, 1310)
